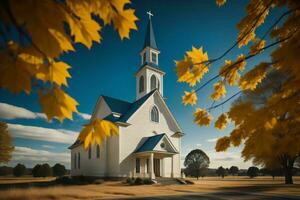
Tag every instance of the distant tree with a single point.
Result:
(252, 172)
(4, 170)
(196, 162)
(46, 170)
(233, 170)
(36, 171)
(59, 170)
(221, 171)
(19, 170)
(264, 171)
(6, 146)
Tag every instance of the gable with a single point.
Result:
(165, 145)
(164, 113)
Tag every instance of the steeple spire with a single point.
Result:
(150, 38)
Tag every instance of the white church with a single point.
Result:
(149, 140)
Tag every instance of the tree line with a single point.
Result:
(39, 170)
(197, 162)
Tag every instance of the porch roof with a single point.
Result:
(151, 142)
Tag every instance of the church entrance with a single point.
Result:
(156, 167)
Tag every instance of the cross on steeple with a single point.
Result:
(150, 14)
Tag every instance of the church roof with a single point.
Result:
(150, 38)
(151, 142)
(124, 108)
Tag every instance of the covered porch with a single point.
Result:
(154, 158)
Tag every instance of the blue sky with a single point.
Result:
(108, 68)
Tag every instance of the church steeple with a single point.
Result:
(150, 38)
(149, 76)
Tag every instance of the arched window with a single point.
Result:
(75, 161)
(98, 151)
(90, 152)
(153, 82)
(154, 114)
(78, 160)
(141, 84)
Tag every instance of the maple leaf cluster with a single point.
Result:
(266, 117)
(47, 29)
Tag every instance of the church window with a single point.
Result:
(141, 84)
(98, 151)
(154, 57)
(78, 160)
(90, 152)
(154, 114)
(153, 82)
(75, 161)
(137, 165)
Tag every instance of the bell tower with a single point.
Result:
(149, 76)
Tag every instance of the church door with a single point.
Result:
(156, 167)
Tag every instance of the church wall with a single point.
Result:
(141, 127)
(89, 167)
(113, 167)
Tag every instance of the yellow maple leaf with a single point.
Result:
(56, 72)
(222, 144)
(252, 78)
(220, 2)
(202, 117)
(219, 91)
(97, 131)
(45, 25)
(257, 46)
(84, 29)
(183, 69)
(230, 71)
(221, 121)
(124, 21)
(199, 67)
(189, 98)
(57, 104)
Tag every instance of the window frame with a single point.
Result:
(75, 161)
(137, 165)
(90, 152)
(155, 118)
(98, 151)
(141, 83)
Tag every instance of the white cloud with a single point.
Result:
(41, 133)
(226, 159)
(85, 116)
(30, 157)
(8, 111)
(212, 140)
(48, 146)
(198, 145)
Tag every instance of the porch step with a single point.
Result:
(167, 181)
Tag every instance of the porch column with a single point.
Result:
(172, 166)
(151, 163)
(134, 167)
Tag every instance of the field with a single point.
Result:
(206, 188)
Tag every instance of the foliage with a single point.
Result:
(5, 170)
(196, 163)
(43, 170)
(59, 170)
(267, 125)
(96, 131)
(221, 172)
(252, 172)
(35, 34)
(19, 170)
(6, 146)
(233, 170)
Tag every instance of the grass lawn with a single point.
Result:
(206, 188)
